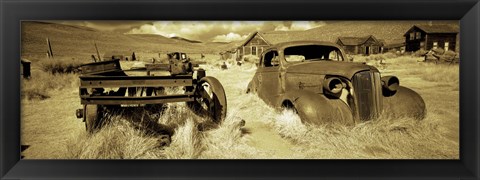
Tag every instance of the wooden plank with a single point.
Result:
(98, 83)
(101, 67)
(160, 67)
(117, 100)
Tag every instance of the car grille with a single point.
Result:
(367, 87)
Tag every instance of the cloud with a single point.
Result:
(299, 25)
(197, 30)
(219, 30)
(229, 37)
(191, 29)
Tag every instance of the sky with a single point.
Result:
(205, 31)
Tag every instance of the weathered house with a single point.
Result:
(361, 45)
(253, 45)
(257, 42)
(430, 36)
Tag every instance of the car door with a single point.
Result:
(268, 77)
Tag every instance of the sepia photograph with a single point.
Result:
(118, 89)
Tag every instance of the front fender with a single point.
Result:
(317, 109)
(404, 103)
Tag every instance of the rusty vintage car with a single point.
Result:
(316, 80)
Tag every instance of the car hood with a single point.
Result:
(345, 69)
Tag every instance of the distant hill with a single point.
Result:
(185, 39)
(78, 42)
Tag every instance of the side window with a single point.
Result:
(435, 45)
(412, 36)
(271, 59)
(418, 35)
(295, 58)
(335, 55)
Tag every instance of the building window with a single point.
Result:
(412, 36)
(446, 46)
(435, 45)
(254, 50)
(418, 35)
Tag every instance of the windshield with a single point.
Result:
(312, 53)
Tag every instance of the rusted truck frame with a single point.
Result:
(104, 85)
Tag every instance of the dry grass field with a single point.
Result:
(49, 125)
(252, 130)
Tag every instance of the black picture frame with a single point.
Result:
(13, 11)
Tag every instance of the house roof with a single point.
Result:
(353, 41)
(395, 43)
(435, 28)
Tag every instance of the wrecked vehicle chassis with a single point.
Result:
(104, 86)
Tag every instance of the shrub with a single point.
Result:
(420, 53)
(441, 73)
(117, 140)
(450, 55)
(390, 55)
(60, 66)
(438, 51)
(123, 138)
(375, 57)
(42, 84)
(250, 58)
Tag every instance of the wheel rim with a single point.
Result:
(210, 101)
(207, 101)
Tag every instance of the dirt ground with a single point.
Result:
(49, 126)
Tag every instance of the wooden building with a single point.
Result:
(361, 45)
(430, 36)
(253, 45)
(257, 42)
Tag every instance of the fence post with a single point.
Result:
(26, 68)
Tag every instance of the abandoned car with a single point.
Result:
(316, 81)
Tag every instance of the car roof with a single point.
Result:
(301, 43)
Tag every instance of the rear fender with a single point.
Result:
(404, 103)
(317, 109)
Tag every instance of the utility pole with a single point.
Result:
(98, 54)
(50, 52)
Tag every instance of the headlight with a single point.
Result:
(333, 86)
(390, 83)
